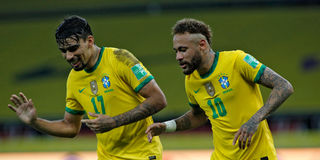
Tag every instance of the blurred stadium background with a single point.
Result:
(283, 34)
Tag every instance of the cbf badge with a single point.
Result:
(224, 82)
(94, 87)
(106, 82)
(210, 89)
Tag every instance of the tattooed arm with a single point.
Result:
(155, 101)
(281, 90)
(192, 119)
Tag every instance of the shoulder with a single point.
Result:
(232, 53)
(124, 56)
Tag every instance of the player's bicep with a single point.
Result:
(270, 78)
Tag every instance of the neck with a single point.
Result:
(94, 57)
(206, 63)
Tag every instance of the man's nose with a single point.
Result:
(179, 56)
(69, 55)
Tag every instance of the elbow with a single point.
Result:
(72, 135)
(290, 89)
(162, 103)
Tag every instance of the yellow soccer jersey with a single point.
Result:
(230, 96)
(111, 87)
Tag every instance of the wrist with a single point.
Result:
(171, 126)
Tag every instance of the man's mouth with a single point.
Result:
(183, 65)
(76, 64)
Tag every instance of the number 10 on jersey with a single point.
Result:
(220, 107)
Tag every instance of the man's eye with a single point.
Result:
(63, 50)
(182, 49)
(73, 48)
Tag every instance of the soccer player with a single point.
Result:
(224, 88)
(116, 91)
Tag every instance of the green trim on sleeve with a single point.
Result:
(259, 74)
(212, 68)
(143, 83)
(90, 70)
(194, 105)
(75, 112)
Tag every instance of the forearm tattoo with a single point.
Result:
(281, 90)
(184, 122)
(191, 119)
(142, 111)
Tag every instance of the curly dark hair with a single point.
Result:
(74, 27)
(192, 26)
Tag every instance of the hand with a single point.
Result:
(245, 133)
(155, 130)
(102, 123)
(24, 108)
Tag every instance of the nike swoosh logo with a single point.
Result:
(196, 91)
(80, 90)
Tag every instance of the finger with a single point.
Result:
(17, 99)
(85, 121)
(12, 107)
(149, 128)
(244, 141)
(236, 137)
(93, 114)
(241, 139)
(249, 140)
(14, 101)
(150, 137)
(24, 98)
(30, 103)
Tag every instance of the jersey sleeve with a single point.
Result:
(131, 70)
(72, 105)
(250, 68)
(191, 100)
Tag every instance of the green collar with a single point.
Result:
(90, 70)
(213, 66)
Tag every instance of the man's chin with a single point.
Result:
(79, 68)
(187, 71)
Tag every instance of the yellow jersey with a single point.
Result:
(111, 87)
(229, 96)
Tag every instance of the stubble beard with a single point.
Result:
(193, 65)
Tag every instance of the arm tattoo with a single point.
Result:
(142, 111)
(184, 122)
(193, 118)
(281, 90)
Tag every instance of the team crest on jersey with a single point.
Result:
(106, 82)
(210, 89)
(224, 82)
(94, 87)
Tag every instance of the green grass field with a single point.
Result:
(278, 37)
(169, 142)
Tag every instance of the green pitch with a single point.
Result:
(169, 142)
(281, 38)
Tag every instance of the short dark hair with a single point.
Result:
(192, 26)
(74, 27)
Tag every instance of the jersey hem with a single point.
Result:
(74, 112)
(193, 105)
(142, 84)
(259, 74)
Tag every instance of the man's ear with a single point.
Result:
(90, 40)
(203, 44)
